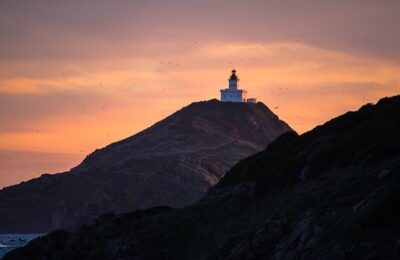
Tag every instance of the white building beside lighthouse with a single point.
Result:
(233, 94)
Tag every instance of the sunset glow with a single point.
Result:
(75, 77)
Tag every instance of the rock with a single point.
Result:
(304, 174)
(333, 254)
(343, 212)
(174, 163)
(384, 173)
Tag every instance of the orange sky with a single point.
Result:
(76, 76)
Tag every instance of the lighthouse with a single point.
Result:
(233, 93)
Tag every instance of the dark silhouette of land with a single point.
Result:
(173, 162)
(331, 193)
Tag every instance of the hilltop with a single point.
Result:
(331, 193)
(174, 163)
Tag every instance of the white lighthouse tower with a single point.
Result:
(233, 94)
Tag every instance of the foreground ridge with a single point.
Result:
(331, 193)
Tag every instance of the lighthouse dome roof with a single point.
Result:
(233, 75)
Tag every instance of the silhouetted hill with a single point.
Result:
(365, 137)
(173, 163)
(331, 193)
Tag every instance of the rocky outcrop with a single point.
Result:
(173, 162)
(287, 202)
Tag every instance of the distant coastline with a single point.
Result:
(9, 242)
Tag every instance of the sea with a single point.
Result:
(9, 242)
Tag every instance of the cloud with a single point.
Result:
(77, 75)
(174, 79)
(27, 108)
(90, 30)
